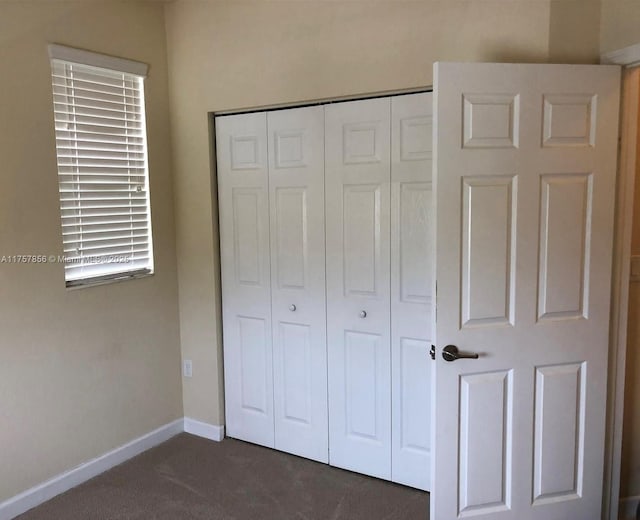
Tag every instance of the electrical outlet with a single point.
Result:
(187, 368)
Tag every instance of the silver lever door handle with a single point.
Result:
(451, 353)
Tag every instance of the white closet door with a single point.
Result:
(411, 287)
(241, 143)
(296, 194)
(357, 177)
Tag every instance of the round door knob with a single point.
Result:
(363, 314)
(292, 307)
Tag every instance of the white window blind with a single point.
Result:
(102, 169)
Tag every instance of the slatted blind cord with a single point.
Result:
(102, 172)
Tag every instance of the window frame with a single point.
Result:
(87, 62)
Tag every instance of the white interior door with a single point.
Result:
(357, 176)
(296, 188)
(411, 287)
(243, 193)
(525, 163)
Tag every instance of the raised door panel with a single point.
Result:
(565, 237)
(559, 433)
(241, 146)
(491, 120)
(363, 370)
(413, 388)
(488, 250)
(361, 240)
(357, 178)
(291, 255)
(296, 186)
(254, 365)
(296, 372)
(415, 242)
(569, 120)
(411, 287)
(486, 431)
(246, 225)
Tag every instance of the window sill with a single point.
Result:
(108, 279)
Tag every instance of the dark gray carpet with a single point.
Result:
(193, 478)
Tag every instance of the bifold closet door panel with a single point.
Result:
(357, 177)
(243, 192)
(411, 287)
(296, 198)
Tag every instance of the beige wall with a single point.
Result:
(228, 54)
(620, 24)
(81, 371)
(574, 31)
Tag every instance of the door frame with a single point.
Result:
(629, 58)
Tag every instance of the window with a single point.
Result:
(103, 180)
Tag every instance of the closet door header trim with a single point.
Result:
(328, 101)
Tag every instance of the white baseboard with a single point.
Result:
(628, 508)
(59, 484)
(202, 429)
